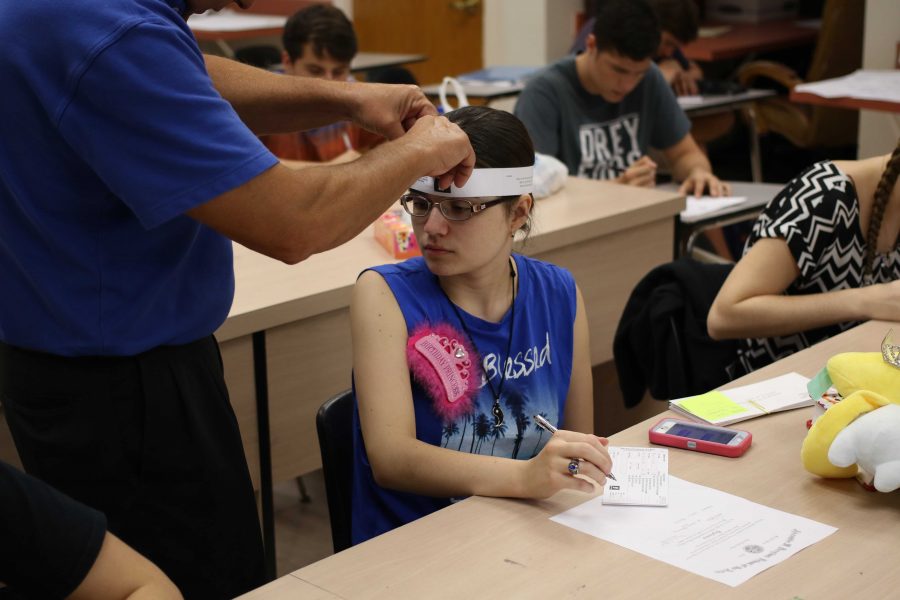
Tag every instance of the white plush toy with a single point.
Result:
(872, 442)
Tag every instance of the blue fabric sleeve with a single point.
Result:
(48, 541)
(145, 110)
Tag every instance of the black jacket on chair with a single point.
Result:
(662, 343)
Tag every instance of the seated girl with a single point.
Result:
(455, 352)
(822, 257)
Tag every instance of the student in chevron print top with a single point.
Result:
(523, 321)
(822, 257)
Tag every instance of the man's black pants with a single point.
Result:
(152, 441)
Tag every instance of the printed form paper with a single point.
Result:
(702, 530)
(642, 477)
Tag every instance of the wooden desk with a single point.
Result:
(500, 548)
(750, 38)
(367, 61)
(588, 227)
(868, 89)
(688, 228)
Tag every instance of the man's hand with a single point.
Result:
(446, 145)
(700, 180)
(389, 110)
(641, 173)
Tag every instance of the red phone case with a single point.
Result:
(677, 441)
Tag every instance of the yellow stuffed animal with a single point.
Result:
(863, 430)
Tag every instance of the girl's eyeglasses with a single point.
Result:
(453, 209)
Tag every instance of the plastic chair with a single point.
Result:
(334, 424)
(838, 52)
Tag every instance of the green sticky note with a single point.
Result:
(712, 406)
(819, 384)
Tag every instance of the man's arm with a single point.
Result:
(691, 167)
(291, 214)
(271, 103)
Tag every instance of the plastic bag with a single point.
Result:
(550, 175)
(458, 91)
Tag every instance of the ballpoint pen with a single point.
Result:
(548, 426)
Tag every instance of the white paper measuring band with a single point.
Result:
(483, 182)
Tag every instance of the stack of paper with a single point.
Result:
(697, 207)
(739, 404)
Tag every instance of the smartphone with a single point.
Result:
(701, 437)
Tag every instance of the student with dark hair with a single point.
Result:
(319, 42)
(54, 547)
(454, 352)
(822, 257)
(600, 112)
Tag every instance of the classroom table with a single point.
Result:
(743, 39)
(505, 548)
(865, 90)
(687, 228)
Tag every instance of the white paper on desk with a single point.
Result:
(702, 530)
(229, 20)
(697, 207)
(864, 84)
(642, 477)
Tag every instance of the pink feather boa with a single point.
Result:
(441, 360)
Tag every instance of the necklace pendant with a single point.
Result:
(497, 412)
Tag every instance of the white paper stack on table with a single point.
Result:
(698, 207)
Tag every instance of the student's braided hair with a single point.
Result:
(880, 200)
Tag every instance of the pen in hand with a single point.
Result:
(548, 427)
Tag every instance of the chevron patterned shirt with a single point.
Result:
(817, 214)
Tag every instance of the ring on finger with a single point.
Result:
(573, 466)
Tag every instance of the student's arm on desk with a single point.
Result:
(271, 103)
(291, 214)
(119, 572)
(401, 462)
(751, 302)
(691, 167)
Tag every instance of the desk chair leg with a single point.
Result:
(304, 494)
(755, 158)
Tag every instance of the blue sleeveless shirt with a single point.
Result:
(538, 372)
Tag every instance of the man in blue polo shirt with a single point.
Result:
(128, 164)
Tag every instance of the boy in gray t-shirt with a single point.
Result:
(600, 111)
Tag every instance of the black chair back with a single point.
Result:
(334, 424)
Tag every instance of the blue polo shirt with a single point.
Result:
(110, 130)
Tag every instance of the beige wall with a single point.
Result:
(528, 32)
(879, 131)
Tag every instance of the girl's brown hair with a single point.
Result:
(880, 200)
